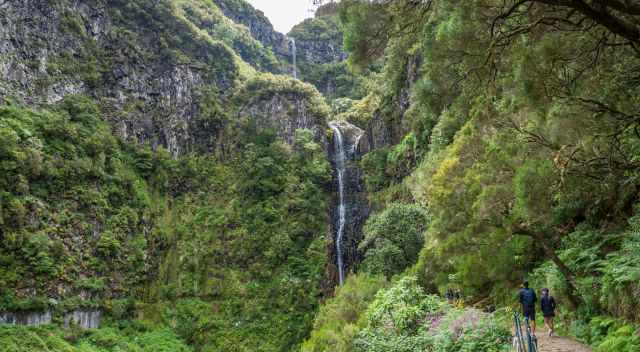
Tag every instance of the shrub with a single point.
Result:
(404, 318)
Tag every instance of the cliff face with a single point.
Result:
(259, 26)
(321, 59)
(319, 41)
(265, 100)
(153, 66)
(388, 127)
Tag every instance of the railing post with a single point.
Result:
(518, 330)
(532, 343)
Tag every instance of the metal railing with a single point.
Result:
(522, 343)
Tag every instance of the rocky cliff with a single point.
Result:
(321, 59)
(154, 66)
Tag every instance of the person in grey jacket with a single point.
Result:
(548, 308)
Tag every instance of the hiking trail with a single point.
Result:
(559, 344)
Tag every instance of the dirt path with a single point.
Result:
(559, 344)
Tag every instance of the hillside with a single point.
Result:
(512, 125)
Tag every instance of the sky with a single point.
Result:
(284, 14)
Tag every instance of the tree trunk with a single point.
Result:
(570, 278)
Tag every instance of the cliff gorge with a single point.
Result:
(157, 166)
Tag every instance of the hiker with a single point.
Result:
(449, 295)
(548, 308)
(528, 301)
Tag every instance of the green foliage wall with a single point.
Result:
(249, 243)
(73, 203)
(511, 122)
(52, 339)
(242, 239)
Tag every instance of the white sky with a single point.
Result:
(284, 14)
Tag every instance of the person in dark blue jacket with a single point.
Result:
(528, 301)
(548, 308)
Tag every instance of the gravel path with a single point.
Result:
(559, 344)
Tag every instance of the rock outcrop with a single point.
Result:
(386, 129)
(283, 105)
(259, 26)
(29, 318)
(321, 59)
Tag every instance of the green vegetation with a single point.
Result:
(66, 178)
(505, 146)
(393, 239)
(339, 319)
(401, 318)
(248, 246)
(517, 137)
(241, 239)
(50, 338)
(608, 334)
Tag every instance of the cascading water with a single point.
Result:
(340, 170)
(351, 206)
(292, 45)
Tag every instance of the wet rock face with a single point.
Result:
(356, 208)
(84, 318)
(26, 318)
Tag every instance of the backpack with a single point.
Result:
(528, 297)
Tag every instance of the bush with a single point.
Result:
(608, 334)
(336, 324)
(621, 279)
(404, 318)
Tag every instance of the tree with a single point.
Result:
(393, 238)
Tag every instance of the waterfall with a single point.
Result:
(340, 170)
(84, 318)
(292, 45)
(351, 207)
